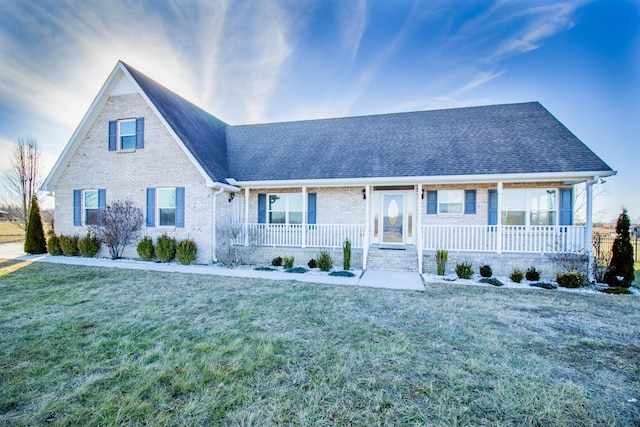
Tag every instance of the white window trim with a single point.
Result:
(461, 213)
(286, 211)
(118, 135)
(158, 207)
(83, 204)
(528, 210)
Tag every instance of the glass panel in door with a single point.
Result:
(393, 218)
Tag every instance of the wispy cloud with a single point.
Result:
(352, 20)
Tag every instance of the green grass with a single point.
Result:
(94, 346)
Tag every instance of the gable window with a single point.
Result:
(127, 134)
(90, 204)
(529, 207)
(450, 201)
(285, 208)
(166, 207)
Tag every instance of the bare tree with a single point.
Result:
(23, 178)
(118, 225)
(580, 200)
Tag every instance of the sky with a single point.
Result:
(265, 61)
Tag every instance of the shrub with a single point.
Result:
(346, 255)
(145, 249)
(532, 274)
(287, 262)
(277, 261)
(342, 274)
(492, 281)
(616, 290)
(53, 246)
(570, 279)
(324, 261)
(186, 251)
(118, 225)
(263, 268)
(441, 261)
(165, 248)
(485, 271)
(622, 255)
(543, 285)
(298, 270)
(34, 241)
(89, 246)
(464, 270)
(312, 263)
(69, 245)
(516, 275)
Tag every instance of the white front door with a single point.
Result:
(393, 218)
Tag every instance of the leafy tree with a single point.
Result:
(118, 225)
(622, 255)
(34, 242)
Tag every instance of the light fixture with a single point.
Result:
(364, 194)
(232, 196)
(422, 194)
(602, 181)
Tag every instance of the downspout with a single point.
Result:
(214, 258)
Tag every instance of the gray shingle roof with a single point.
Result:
(202, 133)
(497, 139)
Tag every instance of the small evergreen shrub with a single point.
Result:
(464, 270)
(145, 249)
(287, 262)
(485, 270)
(492, 281)
(324, 261)
(621, 264)
(69, 245)
(342, 274)
(34, 241)
(312, 263)
(277, 261)
(298, 270)
(441, 261)
(53, 245)
(516, 275)
(186, 251)
(570, 279)
(89, 246)
(543, 285)
(165, 248)
(532, 274)
(346, 255)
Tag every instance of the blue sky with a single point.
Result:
(263, 61)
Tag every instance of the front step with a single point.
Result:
(396, 258)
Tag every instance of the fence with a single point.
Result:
(606, 244)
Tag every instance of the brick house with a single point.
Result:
(490, 184)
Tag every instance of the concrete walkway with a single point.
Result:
(399, 280)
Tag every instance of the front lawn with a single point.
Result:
(98, 346)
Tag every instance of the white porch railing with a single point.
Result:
(533, 239)
(311, 235)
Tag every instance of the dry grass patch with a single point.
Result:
(11, 232)
(95, 346)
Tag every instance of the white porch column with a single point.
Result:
(246, 217)
(305, 210)
(588, 243)
(367, 227)
(419, 224)
(499, 228)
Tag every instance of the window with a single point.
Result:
(285, 208)
(166, 207)
(450, 201)
(127, 134)
(529, 207)
(90, 204)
